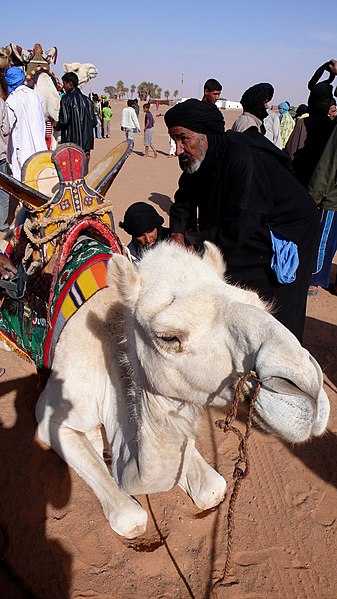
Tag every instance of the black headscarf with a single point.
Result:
(254, 97)
(201, 117)
(301, 109)
(140, 218)
(320, 98)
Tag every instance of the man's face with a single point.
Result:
(212, 95)
(191, 148)
(149, 238)
(67, 86)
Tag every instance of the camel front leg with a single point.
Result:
(125, 516)
(206, 487)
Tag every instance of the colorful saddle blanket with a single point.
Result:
(83, 274)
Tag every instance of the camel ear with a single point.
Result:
(123, 276)
(214, 259)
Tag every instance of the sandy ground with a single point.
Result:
(55, 542)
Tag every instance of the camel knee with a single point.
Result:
(129, 521)
(206, 487)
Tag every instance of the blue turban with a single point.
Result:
(283, 108)
(14, 77)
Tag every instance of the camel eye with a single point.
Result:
(168, 339)
(169, 342)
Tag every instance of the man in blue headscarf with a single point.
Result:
(26, 120)
(287, 122)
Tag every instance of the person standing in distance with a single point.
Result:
(212, 91)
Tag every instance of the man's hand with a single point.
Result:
(333, 66)
(7, 270)
(178, 238)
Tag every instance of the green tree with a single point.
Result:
(132, 89)
(152, 89)
(175, 93)
(143, 91)
(119, 88)
(148, 89)
(167, 94)
(110, 91)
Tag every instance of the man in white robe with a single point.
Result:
(26, 120)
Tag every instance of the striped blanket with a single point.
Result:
(82, 275)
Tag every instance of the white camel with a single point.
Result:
(51, 106)
(84, 72)
(46, 88)
(144, 356)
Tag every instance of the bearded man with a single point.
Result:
(249, 204)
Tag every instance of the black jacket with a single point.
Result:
(243, 189)
(77, 120)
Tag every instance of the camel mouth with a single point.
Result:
(284, 386)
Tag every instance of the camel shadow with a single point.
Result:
(320, 341)
(31, 478)
(162, 200)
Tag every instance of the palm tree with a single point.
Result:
(119, 87)
(167, 94)
(175, 93)
(125, 90)
(143, 91)
(132, 89)
(152, 89)
(159, 90)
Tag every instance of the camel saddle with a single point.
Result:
(74, 232)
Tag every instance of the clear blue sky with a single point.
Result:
(238, 43)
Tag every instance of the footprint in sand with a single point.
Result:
(284, 558)
(326, 511)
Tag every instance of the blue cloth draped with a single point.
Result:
(284, 260)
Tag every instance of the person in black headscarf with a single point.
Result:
(310, 135)
(243, 189)
(144, 224)
(301, 112)
(330, 67)
(254, 102)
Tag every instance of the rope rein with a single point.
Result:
(62, 221)
(241, 468)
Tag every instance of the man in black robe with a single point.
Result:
(77, 117)
(242, 188)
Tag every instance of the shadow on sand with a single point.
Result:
(31, 477)
(163, 201)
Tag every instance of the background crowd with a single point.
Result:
(251, 190)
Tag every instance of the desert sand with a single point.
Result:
(54, 540)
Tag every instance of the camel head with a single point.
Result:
(84, 72)
(194, 335)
